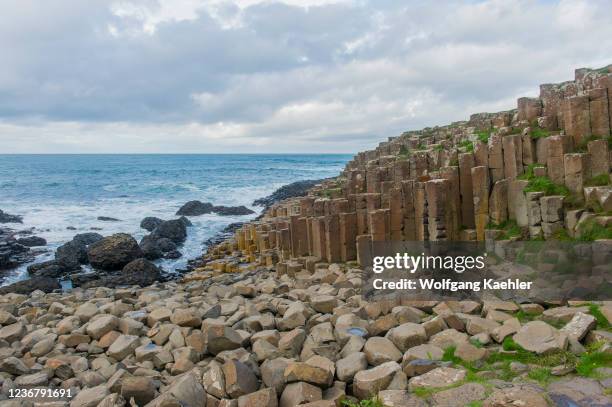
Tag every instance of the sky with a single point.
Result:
(275, 76)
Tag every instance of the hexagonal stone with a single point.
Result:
(407, 336)
(368, 382)
(439, 377)
(299, 393)
(539, 337)
(381, 350)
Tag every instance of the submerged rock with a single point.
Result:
(32, 241)
(108, 219)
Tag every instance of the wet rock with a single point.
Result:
(45, 284)
(140, 272)
(32, 241)
(175, 230)
(232, 210)
(113, 252)
(195, 208)
(150, 222)
(7, 218)
(49, 268)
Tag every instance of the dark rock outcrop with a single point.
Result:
(150, 222)
(87, 238)
(295, 189)
(150, 248)
(175, 230)
(71, 255)
(51, 268)
(195, 208)
(232, 210)
(26, 287)
(13, 254)
(32, 241)
(113, 252)
(140, 272)
(6, 218)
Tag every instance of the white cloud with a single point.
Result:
(274, 76)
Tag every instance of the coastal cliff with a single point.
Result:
(275, 316)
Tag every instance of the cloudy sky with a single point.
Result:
(209, 76)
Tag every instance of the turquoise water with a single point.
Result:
(54, 192)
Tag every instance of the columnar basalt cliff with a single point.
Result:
(541, 171)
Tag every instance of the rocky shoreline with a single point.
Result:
(164, 241)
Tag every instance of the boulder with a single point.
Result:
(516, 396)
(140, 272)
(71, 255)
(32, 241)
(316, 370)
(113, 252)
(195, 208)
(299, 393)
(175, 230)
(347, 368)
(239, 379)
(101, 326)
(142, 389)
(150, 222)
(400, 398)
(13, 332)
(460, 396)
(220, 338)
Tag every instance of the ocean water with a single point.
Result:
(54, 192)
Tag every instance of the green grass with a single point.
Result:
(544, 184)
(541, 375)
(538, 132)
(593, 359)
(403, 151)
(524, 317)
(508, 229)
(598, 181)
(477, 403)
(590, 230)
(484, 135)
(602, 321)
(528, 174)
(468, 145)
(372, 402)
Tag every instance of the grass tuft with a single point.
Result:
(544, 184)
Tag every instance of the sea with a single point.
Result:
(56, 193)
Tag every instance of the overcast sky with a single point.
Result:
(210, 76)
